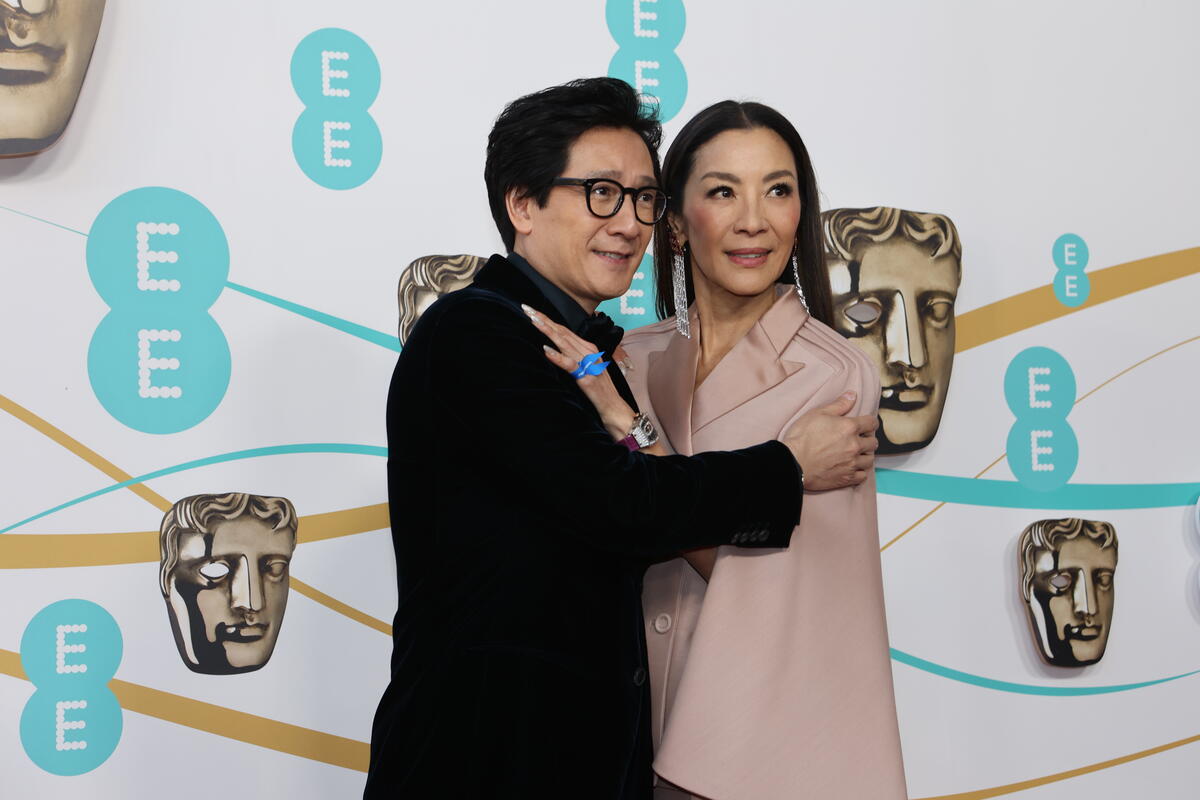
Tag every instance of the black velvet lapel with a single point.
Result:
(501, 277)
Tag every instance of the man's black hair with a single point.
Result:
(528, 146)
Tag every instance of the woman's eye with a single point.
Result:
(781, 190)
(720, 191)
(214, 570)
(863, 313)
(1061, 581)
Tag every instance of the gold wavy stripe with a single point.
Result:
(1012, 314)
(353, 754)
(312, 593)
(1081, 398)
(227, 722)
(46, 550)
(84, 452)
(997, 791)
(136, 544)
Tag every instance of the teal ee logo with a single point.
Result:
(158, 362)
(1071, 284)
(336, 142)
(636, 307)
(72, 723)
(1039, 386)
(647, 33)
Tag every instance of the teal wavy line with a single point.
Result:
(39, 219)
(1023, 688)
(1010, 494)
(237, 455)
(353, 328)
(345, 326)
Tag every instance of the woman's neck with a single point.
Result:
(724, 319)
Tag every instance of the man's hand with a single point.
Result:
(834, 450)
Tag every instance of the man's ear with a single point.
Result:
(519, 205)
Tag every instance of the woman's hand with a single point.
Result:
(599, 389)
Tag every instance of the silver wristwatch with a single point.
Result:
(643, 431)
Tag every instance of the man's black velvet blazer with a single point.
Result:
(522, 531)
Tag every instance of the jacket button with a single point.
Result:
(639, 676)
(662, 623)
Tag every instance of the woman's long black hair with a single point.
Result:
(716, 119)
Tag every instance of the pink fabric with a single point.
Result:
(774, 679)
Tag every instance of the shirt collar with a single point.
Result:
(572, 313)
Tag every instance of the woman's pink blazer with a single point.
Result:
(773, 680)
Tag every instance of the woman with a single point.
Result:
(771, 679)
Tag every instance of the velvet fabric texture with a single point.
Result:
(817, 718)
(522, 532)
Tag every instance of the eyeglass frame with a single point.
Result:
(589, 183)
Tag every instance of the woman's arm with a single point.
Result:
(616, 414)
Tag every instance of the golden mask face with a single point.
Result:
(45, 49)
(225, 580)
(895, 276)
(1067, 571)
(428, 278)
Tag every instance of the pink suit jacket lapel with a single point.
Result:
(754, 365)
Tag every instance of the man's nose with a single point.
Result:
(625, 222)
(1084, 596)
(247, 591)
(904, 338)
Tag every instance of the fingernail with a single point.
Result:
(548, 348)
(851, 394)
(528, 310)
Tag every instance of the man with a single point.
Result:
(895, 276)
(521, 526)
(1067, 568)
(224, 576)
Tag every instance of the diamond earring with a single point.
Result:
(679, 290)
(796, 277)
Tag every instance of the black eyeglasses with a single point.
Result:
(604, 198)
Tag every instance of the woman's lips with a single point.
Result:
(748, 256)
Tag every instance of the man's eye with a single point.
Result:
(1061, 581)
(601, 190)
(214, 570)
(864, 313)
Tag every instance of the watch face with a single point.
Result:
(646, 429)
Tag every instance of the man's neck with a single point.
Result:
(588, 306)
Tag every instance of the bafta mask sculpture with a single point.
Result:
(224, 576)
(1067, 568)
(427, 279)
(895, 276)
(45, 48)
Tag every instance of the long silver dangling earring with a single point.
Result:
(796, 276)
(679, 290)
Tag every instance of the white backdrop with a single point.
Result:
(1021, 121)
